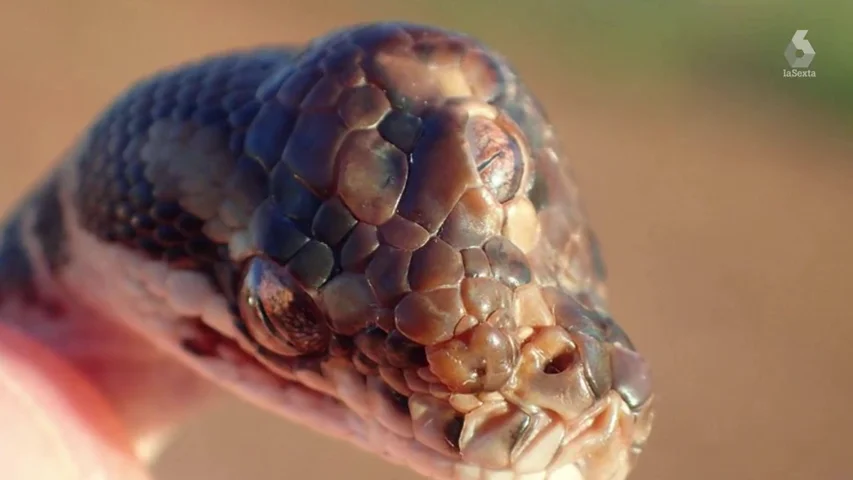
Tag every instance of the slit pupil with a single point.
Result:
(488, 162)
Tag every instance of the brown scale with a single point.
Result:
(387, 274)
(482, 296)
(509, 264)
(372, 174)
(350, 303)
(440, 172)
(430, 317)
(385, 320)
(435, 265)
(403, 234)
(476, 263)
(358, 247)
(475, 218)
(363, 106)
(310, 154)
(332, 222)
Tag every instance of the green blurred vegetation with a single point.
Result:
(726, 43)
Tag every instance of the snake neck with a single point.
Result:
(149, 390)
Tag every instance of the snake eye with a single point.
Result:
(497, 155)
(278, 313)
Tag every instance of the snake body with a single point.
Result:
(374, 235)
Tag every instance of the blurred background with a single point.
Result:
(720, 191)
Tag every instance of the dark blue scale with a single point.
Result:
(115, 200)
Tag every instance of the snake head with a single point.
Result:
(418, 250)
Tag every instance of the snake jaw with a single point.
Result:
(520, 396)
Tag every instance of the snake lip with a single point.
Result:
(626, 393)
(610, 420)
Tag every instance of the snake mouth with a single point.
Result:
(445, 437)
(496, 440)
(571, 404)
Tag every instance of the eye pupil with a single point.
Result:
(278, 313)
(502, 172)
(498, 157)
(488, 162)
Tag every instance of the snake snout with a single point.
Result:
(609, 356)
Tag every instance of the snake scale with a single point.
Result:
(374, 235)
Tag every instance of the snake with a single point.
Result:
(374, 234)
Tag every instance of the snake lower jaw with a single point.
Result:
(574, 408)
(496, 440)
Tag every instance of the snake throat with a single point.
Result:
(379, 232)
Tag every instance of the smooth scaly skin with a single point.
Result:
(375, 236)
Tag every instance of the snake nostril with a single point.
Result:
(480, 360)
(560, 363)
